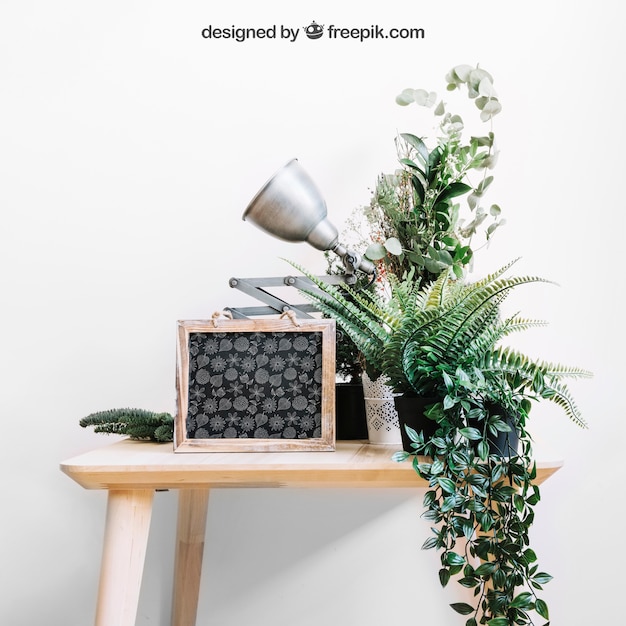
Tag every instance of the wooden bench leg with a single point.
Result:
(192, 515)
(123, 556)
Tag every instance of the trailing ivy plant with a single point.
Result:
(481, 506)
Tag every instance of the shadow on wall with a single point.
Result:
(275, 552)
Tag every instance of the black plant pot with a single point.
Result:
(411, 413)
(504, 443)
(350, 422)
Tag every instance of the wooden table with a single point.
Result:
(131, 471)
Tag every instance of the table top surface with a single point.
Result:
(129, 464)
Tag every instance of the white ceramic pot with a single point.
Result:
(383, 425)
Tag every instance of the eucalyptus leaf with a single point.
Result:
(376, 251)
(424, 98)
(461, 73)
(393, 246)
(406, 97)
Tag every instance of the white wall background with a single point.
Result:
(129, 147)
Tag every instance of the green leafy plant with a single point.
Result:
(136, 423)
(443, 341)
(414, 218)
(419, 336)
(414, 224)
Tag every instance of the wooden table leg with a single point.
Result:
(192, 514)
(123, 556)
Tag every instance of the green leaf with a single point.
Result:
(542, 608)
(473, 434)
(498, 579)
(400, 456)
(483, 450)
(452, 191)
(448, 504)
(430, 543)
(412, 434)
(444, 576)
(529, 555)
(463, 608)
(446, 484)
(437, 467)
(417, 143)
(498, 621)
(542, 578)
(523, 601)
(419, 188)
(485, 569)
(429, 498)
(411, 164)
(501, 426)
(452, 558)
(449, 383)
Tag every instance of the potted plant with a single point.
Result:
(349, 398)
(442, 342)
(414, 223)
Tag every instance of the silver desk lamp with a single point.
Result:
(290, 207)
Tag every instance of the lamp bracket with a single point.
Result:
(257, 288)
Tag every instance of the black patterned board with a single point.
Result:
(264, 386)
(260, 384)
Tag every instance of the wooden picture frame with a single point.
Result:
(255, 385)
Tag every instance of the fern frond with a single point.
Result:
(558, 393)
(136, 423)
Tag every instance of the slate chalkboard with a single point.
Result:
(255, 384)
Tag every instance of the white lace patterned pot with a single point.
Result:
(382, 418)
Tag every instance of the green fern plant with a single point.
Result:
(420, 336)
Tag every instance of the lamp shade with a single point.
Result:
(290, 207)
